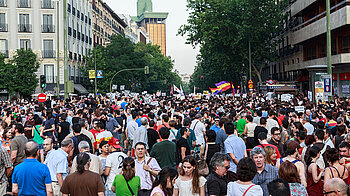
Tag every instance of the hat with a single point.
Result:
(216, 118)
(293, 145)
(114, 142)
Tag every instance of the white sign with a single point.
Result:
(286, 97)
(155, 103)
(158, 94)
(163, 94)
(144, 92)
(122, 87)
(244, 96)
(114, 87)
(299, 109)
(309, 95)
(182, 98)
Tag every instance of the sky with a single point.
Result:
(183, 54)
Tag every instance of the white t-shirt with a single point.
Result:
(235, 189)
(115, 162)
(269, 124)
(173, 133)
(198, 128)
(310, 128)
(185, 187)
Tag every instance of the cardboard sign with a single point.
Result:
(299, 109)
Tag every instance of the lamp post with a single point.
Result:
(329, 46)
(65, 49)
(58, 47)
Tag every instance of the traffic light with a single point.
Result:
(42, 81)
(238, 86)
(202, 78)
(146, 70)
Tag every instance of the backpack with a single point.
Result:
(77, 140)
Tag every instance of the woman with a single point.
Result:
(127, 183)
(249, 131)
(210, 148)
(37, 131)
(163, 185)
(49, 125)
(246, 170)
(173, 131)
(189, 182)
(341, 130)
(7, 136)
(314, 173)
(296, 126)
(335, 170)
(63, 128)
(289, 172)
(271, 155)
(83, 181)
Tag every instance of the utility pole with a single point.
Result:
(58, 49)
(65, 49)
(95, 75)
(329, 46)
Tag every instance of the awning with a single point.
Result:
(80, 89)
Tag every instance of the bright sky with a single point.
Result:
(183, 55)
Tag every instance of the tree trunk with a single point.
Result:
(258, 73)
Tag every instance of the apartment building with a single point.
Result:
(303, 50)
(34, 23)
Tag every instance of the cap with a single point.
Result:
(293, 145)
(114, 142)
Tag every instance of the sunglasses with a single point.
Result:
(329, 192)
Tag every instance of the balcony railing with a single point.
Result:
(90, 41)
(5, 52)
(3, 3)
(73, 11)
(23, 3)
(48, 54)
(47, 4)
(48, 28)
(3, 27)
(25, 28)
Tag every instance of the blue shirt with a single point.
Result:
(31, 177)
(268, 174)
(123, 104)
(235, 145)
(220, 139)
(56, 161)
(215, 128)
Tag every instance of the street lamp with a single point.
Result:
(58, 47)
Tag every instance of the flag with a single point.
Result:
(171, 90)
(215, 90)
(233, 89)
(177, 90)
(224, 86)
(182, 92)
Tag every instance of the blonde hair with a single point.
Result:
(269, 151)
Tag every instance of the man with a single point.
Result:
(57, 162)
(279, 187)
(344, 152)
(130, 132)
(95, 163)
(47, 148)
(261, 128)
(308, 126)
(256, 119)
(276, 139)
(335, 187)
(5, 169)
(78, 137)
(146, 168)
(18, 145)
(182, 147)
(221, 135)
(199, 129)
(271, 122)
(84, 130)
(31, 177)
(241, 123)
(28, 126)
(192, 139)
(141, 133)
(216, 126)
(263, 143)
(101, 134)
(164, 151)
(234, 146)
(114, 163)
(112, 125)
(216, 181)
(152, 135)
(266, 173)
(322, 161)
(165, 120)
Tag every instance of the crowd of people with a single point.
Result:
(214, 146)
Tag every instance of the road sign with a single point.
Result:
(250, 86)
(91, 74)
(99, 74)
(327, 85)
(42, 97)
(250, 81)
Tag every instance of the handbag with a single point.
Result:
(203, 168)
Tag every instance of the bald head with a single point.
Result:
(336, 185)
(31, 150)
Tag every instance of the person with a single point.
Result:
(164, 151)
(113, 163)
(271, 122)
(5, 169)
(130, 131)
(221, 135)
(182, 147)
(63, 127)
(292, 153)
(278, 187)
(246, 171)
(18, 145)
(199, 129)
(47, 148)
(57, 162)
(192, 139)
(173, 130)
(258, 129)
(95, 164)
(215, 127)
(127, 182)
(49, 124)
(249, 131)
(104, 153)
(210, 148)
(335, 186)
(289, 172)
(234, 146)
(314, 172)
(37, 132)
(163, 185)
(152, 135)
(335, 170)
(276, 139)
(308, 126)
(7, 137)
(31, 177)
(189, 181)
(241, 124)
(216, 181)
(146, 168)
(141, 133)
(83, 181)
(78, 137)
(262, 137)
(340, 136)
(271, 155)
(265, 172)
(28, 125)
(112, 125)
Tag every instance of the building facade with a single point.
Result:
(303, 50)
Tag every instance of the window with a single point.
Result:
(24, 43)
(3, 25)
(23, 3)
(46, 4)
(48, 71)
(3, 3)
(24, 23)
(47, 27)
(48, 51)
(4, 47)
(345, 44)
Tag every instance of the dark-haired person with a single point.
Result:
(289, 172)
(249, 131)
(130, 131)
(164, 152)
(246, 171)
(83, 181)
(210, 148)
(221, 135)
(261, 128)
(63, 127)
(152, 135)
(31, 177)
(314, 172)
(217, 181)
(234, 146)
(37, 131)
(262, 138)
(344, 152)
(78, 137)
(199, 129)
(335, 170)
(163, 186)
(127, 183)
(182, 147)
(279, 187)
(49, 124)
(189, 182)
(276, 139)
(339, 137)
(17, 145)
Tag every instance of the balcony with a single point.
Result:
(68, 8)
(70, 55)
(86, 39)
(78, 14)
(82, 37)
(23, 3)
(86, 19)
(3, 27)
(3, 3)
(73, 11)
(90, 41)
(79, 58)
(70, 31)
(48, 28)
(89, 21)
(74, 33)
(5, 52)
(47, 4)
(78, 37)
(25, 28)
(75, 56)
(82, 17)
(48, 54)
